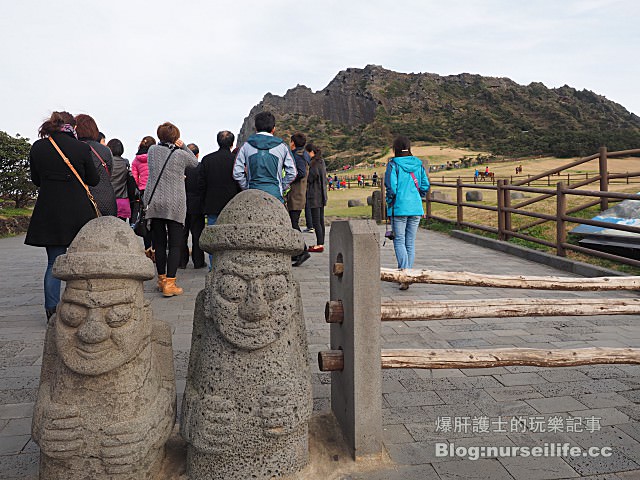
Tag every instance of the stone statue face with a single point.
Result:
(252, 297)
(101, 325)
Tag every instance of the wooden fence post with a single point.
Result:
(500, 199)
(377, 204)
(604, 178)
(507, 204)
(561, 211)
(356, 391)
(459, 200)
(383, 195)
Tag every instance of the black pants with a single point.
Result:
(317, 215)
(294, 215)
(307, 216)
(163, 233)
(193, 224)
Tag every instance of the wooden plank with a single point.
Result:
(501, 357)
(507, 307)
(509, 281)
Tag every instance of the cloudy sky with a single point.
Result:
(202, 64)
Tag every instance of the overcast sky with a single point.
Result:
(202, 65)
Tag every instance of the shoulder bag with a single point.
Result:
(66, 160)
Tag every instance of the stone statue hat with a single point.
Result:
(105, 247)
(253, 220)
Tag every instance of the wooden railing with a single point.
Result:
(504, 209)
(355, 312)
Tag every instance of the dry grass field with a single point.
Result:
(503, 169)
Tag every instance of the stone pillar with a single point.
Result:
(107, 400)
(356, 391)
(248, 398)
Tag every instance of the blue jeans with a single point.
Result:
(404, 243)
(211, 220)
(52, 284)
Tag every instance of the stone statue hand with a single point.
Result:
(62, 433)
(125, 444)
(216, 418)
(278, 411)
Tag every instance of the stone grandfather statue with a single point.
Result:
(248, 399)
(107, 401)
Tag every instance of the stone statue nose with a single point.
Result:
(94, 329)
(255, 307)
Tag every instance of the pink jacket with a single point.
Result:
(140, 171)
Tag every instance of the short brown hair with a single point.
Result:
(168, 133)
(86, 127)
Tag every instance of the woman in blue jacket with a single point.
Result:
(406, 183)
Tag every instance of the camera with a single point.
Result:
(390, 234)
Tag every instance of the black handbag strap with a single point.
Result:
(158, 180)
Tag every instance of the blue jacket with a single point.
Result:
(260, 164)
(404, 198)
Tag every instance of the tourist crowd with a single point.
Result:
(166, 194)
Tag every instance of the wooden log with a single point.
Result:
(334, 311)
(509, 281)
(501, 357)
(331, 361)
(507, 307)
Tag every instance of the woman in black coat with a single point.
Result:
(317, 194)
(62, 207)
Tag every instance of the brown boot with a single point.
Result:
(170, 289)
(161, 280)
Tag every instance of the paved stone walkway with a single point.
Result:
(603, 399)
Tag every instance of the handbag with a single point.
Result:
(140, 225)
(66, 160)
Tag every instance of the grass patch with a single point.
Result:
(15, 212)
(337, 202)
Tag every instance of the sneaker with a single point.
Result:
(309, 230)
(316, 249)
(404, 286)
(303, 257)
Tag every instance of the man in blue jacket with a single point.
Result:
(263, 158)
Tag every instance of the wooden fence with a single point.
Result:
(355, 312)
(563, 217)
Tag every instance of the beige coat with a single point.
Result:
(297, 196)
